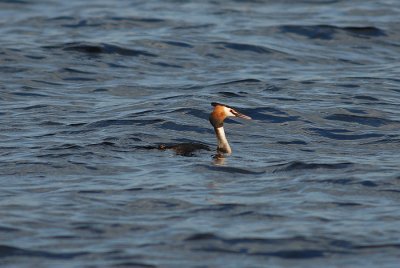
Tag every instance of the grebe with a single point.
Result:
(217, 117)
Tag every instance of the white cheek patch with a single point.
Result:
(228, 111)
(232, 112)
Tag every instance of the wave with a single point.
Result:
(270, 247)
(106, 23)
(363, 120)
(327, 32)
(278, 116)
(234, 170)
(178, 44)
(182, 127)
(247, 48)
(336, 134)
(239, 81)
(294, 142)
(100, 48)
(299, 165)
(123, 122)
(9, 251)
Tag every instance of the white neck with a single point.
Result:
(223, 145)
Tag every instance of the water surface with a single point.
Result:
(86, 87)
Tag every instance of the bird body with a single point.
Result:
(217, 117)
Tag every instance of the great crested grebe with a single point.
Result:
(217, 117)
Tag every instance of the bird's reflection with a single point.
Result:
(219, 159)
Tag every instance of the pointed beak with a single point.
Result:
(237, 114)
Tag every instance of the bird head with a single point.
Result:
(222, 111)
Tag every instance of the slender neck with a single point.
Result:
(223, 145)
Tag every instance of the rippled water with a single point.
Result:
(88, 87)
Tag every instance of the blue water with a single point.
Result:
(88, 88)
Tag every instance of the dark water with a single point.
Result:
(87, 86)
